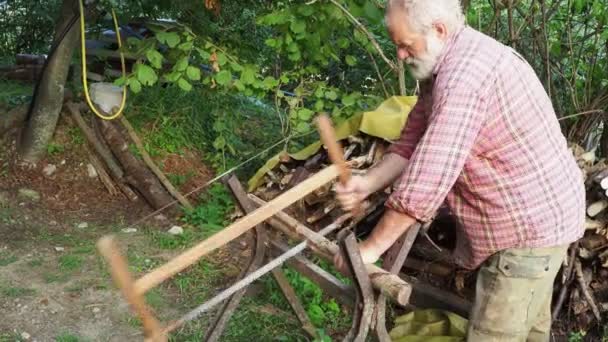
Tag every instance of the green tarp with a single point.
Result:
(429, 325)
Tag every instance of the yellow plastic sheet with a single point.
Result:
(384, 122)
(429, 325)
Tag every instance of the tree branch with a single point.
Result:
(369, 35)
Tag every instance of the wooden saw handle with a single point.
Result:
(334, 149)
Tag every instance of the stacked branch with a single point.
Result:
(584, 279)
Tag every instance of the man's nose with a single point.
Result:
(402, 53)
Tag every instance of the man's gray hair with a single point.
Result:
(423, 13)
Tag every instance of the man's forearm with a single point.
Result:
(390, 227)
(387, 171)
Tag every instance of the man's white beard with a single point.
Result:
(422, 67)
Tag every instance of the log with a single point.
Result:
(330, 284)
(427, 296)
(100, 149)
(150, 163)
(136, 174)
(234, 230)
(389, 284)
(12, 119)
(103, 174)
(597, 207)
(294, 302)
(29, 59)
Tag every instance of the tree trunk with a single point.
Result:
(45, 112)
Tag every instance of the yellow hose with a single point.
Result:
(84, 66)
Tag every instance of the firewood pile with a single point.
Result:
(584, 280)
(360, 151)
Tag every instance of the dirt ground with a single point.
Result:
(53, 284)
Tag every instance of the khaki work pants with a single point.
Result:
(513, 295)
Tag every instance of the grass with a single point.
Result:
(6, 260)
(70, 262)
(16, 291)
(37, 262)
(13, 93)
(68, 337)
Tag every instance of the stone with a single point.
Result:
(160, 217)
(91, 171)
(59, 249)
(96, 310)
(129, 230)
(62, 162)
(176, 230)
(29, 194)
(53, 223)
(49, 169)
(83, 225)
(25, 336)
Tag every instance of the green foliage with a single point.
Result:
(54, 149)
(14, 93)
(7, 290)
(210, 216)
(70, 262)
(7, 259)
(68, 337)
(576, 336)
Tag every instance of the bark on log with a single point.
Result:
(146, 157)
(49, 100)
(136, 174)
(389, 284)
(12, 119)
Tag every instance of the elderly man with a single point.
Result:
(483, 136)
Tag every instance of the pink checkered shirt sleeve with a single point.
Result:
(438, 159)
(411, 133)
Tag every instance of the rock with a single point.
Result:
(96, 310)
(129, 230)
(91, 171)
(4, 198)
(29, 194)
(83, 225)
(62, 162)
(25, 336)
(49, 170)
(53, 223)
(176, 230)
(160, 217)
(59, 249)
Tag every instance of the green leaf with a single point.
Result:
(271, 42)
(146, 75)
(186, 46)
(204, 54)
(221, 58)
(331, 95)
(302, 127)
(319, 105)
(295, 56)
(120, 81)
(173, 76)
(219, 143)
(270, 82)
(155, 58)
(248, 75)
(305, 114)
(348, 100)
(578, 6)
(343, 43)
(297, 26)
(135, 86)
(319, 92)
(306, 10)
(182, 64)
(193, 73)
(185, 85)
(223, 77)
(351, 60)
(236, 67)
(169, 38)
(239, 85)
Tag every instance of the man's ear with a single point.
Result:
(441, 30)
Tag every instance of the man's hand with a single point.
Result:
(369, 254)
(353, 193)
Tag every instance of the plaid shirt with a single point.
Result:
(485, 137)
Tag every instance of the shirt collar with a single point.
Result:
(446, 49)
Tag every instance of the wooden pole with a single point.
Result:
(123, 279)
(190, 256)
(389, 284)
